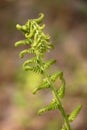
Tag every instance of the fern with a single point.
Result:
(52, 106)
(74, 113)
(39, 43)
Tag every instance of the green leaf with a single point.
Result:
(39, 20)
(74, 113)
(56, 75)
(23, 42)
(21, 28)
(44, 85)
(52, 106)
(22, 53)
(61, 90)
(27, 62)
(49, 63)
(30, 35)
(27, 68)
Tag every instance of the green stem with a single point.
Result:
(60, 105)
(67, 125)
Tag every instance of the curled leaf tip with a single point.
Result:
(16, 44)
(41, 15)
(18, 26)
(39, 20)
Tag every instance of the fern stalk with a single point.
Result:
(39, 44)
(61, 109)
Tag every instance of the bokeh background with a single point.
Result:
(66, 22)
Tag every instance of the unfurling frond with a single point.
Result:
(22, 53)
(38, 44)
(39, 20)
(23, 42)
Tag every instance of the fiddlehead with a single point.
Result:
(39, 43)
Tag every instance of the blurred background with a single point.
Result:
(66, 22)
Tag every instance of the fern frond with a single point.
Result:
(48, 64)
(52, 106)
(39, 20)
(23, 42)
(38, 44)
(61, 91)
(74, 113)
(22, 28)
(31, 32)
(55, 76)
(27, 62)
(22, 53)
(43, 85)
